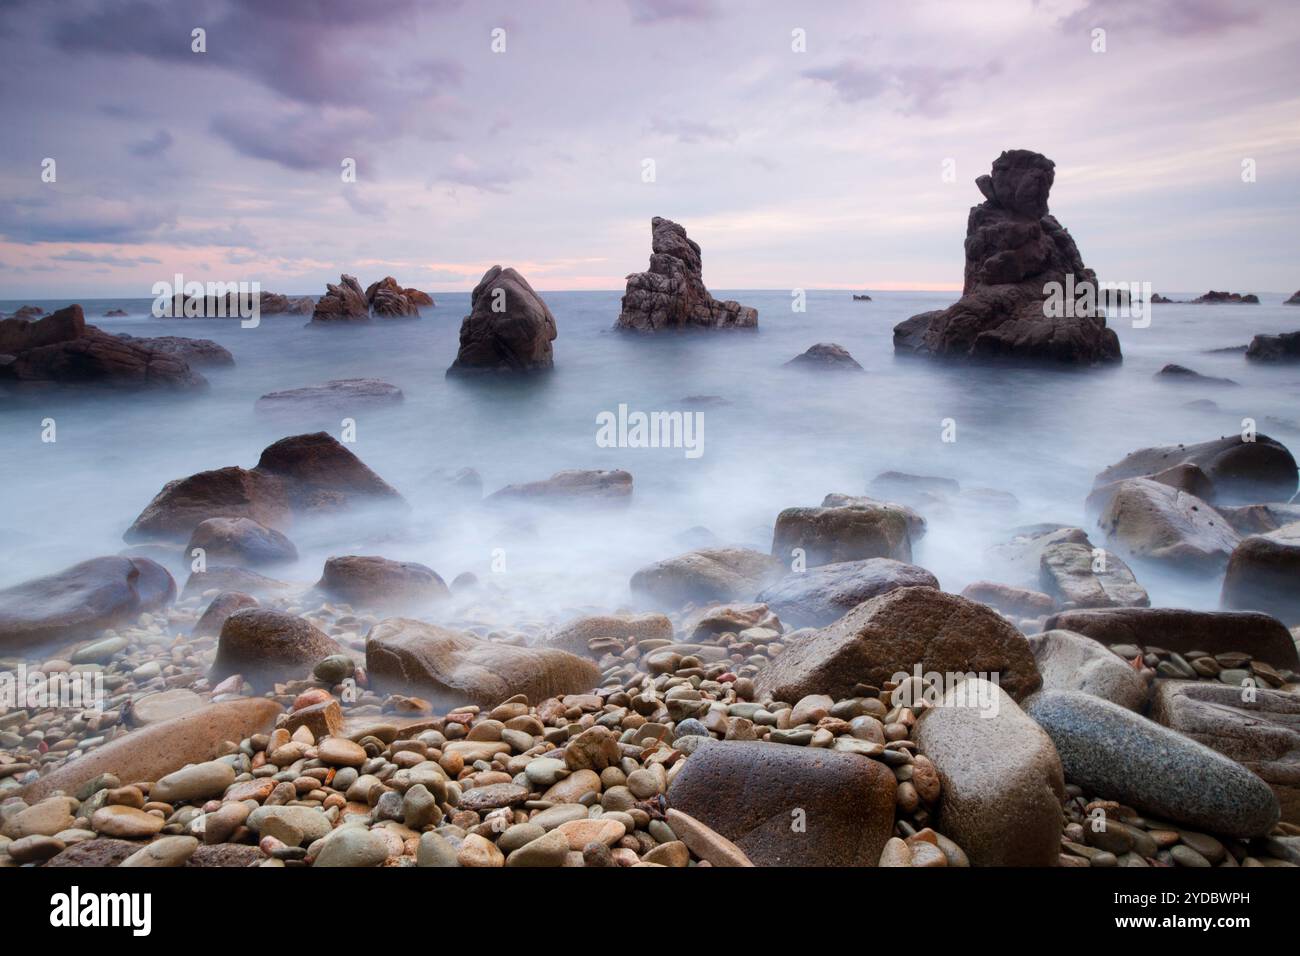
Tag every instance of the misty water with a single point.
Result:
(781, 437)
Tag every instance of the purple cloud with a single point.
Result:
(654, 11)
(1179, 18)
(921, 90)
(155, 145)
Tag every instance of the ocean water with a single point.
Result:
(779, 437)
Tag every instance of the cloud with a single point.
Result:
(1178, 18)
(300, 140)
(106, 259)
(466, 171)
(690, 131)
(920, 90)
(74, 218)
(155, 145)
(655, 11)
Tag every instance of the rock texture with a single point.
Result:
(1150, 521)
(1107, 749)
(341, 395)
(1070, 572)
(509, 328)
(706, 575)
(1264, 575)
(1014, 248)
(894, 633)
(849, 533)
(341, 304)
(1069, 661)
(749, 793)
(375, 582)
(826, 356)
(451, 668)
(1275, 348)
(80, 600)
(820, 595)
(671, 293)
(571, 485)
(390, 301)
(1242, 472)
(264, 646)
(1002, 785)
(197, 353)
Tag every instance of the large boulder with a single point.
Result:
(851, 533)
(81, 600)
(895, 633)
(1264, 574)
(1263, 637)
(197, 353)
(1001, 781)
(241, 541)
(576, 636)
(1120, 755)
(1075, 576)
(569, 486)
(671, 293)
(375, 582)
(706, 575)
(322, 475)
(509, 328)
(1243, 472)
(1069, 661)
(1012, 601)
(224, 604)
(820, 595)
(750, 792)
(389, 300)
(1276, 348)
(265, 646)
(1014, 250)
(1019, 561)
(1261, 733)
(1154, 522)
(232, 492)
(451, 668)
(229, 577)
(341, 304)
(343, 395)
(23, 331)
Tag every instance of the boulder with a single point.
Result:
(853, 533)
(509, 327)
(341, 304)
(1264, 638)
(321, 475)
(916, 525)
(1019, 561)
(1262, 734)
(897, 632)
(1270, 348)
(1153, 522)
(241, 541)
(1225, 298)
(671, 293)
(1243, 472)
(1260, 519)
(1011, 601)
(706, 575)
(81, 600)
(820, 595)
(750, 792)
(227, 577)
(196, 353)
(1264, 574)
(265, 646)
(568, 486)
(1076, 577)
(704, 624)
(1123, 756)
(1182, 375)
(343, 395)
(232, 492)
(1185, 477)
(1001, 786)
(1015, 251)
(389, 300)
(451, 668)
(1069, 661)
(371, 581)
(150, 753)
(826, 356)
(274, 303)
(163, 705)
(575, 636)
(1294, 300)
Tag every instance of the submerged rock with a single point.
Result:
(1014, 251)
(1264, 574)
(1185, 375)
(1275, 348)
(671, 293)
(706, 575)
(825, 355)
(264, 646)
(341, 304)
(572, 485)
(196, 353)
(371, 581)
(509, 328)
(849, 533)
(1154, 522)
(336, 395)
(241, 541)
(576, 635)
(1243, 472)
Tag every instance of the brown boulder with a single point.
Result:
(509, 327)
(342, 303)
(820, 595)
(320, 473)
(227, 577)
(1243, 472)
(241, 541)
(706, 575)
(194, 352)
(1073, 575)
(1012, 601)
(219, 608)
(572, 485)
(183, 504)
(265, 646)
(1264, 575)
(372, 581)
(831, 535)
(389, 300)
(575, 636)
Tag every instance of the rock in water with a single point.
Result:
(1262, 734)
(850, 533)
(194, 352)
(820, 595)
(450, 668)
(509, 327)
(1264, 574)
(82, 599)
(671, 294)
(390, 300)
(573, 485)
(896, 632)
(1242, 472)
(337, 395)
(1150, 521)
(371, 581)
(748, 792)
(1071, 574)
(828, 356)
(241, 541)
(706, 575)
(1109, 750)
(1014, 249)
(575, 636)
(1001, 781)
(265, 645)
(341, 304)
(1276, 348)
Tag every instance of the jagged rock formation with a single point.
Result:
(509, 328)
(389, 300)
(1014, 249)
(671, 294)
(341, 303)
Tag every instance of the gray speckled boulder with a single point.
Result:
(1120, 755)
(1070, 661)
(818, 596)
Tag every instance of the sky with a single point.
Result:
(827, 145)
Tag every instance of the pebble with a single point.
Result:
(353, 846)
(125, 822)
(166, 851)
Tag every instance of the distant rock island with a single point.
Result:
(1213, 298)
(861, 298)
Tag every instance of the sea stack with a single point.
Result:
(509, 327)
(671, 293)
(1015, 251)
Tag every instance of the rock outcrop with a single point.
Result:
(509, 328)
(1264, 575)
(671, 293)
(338, 395)
(1014, 250)
(849, 533)
(342, 303)
(390, 301)
(1284, 347)
(1225, 298)
(821, 595)
(197, 353)
(706, 575)
(1242, 472)
(826, 356)
(375, 582)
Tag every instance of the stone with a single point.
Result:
(746, 791)
(509, 328)
(1069, 574)
(1263, 574)
(353, 846)
(568, 487)
(265, 645)
(434, 850)
(33, 849)
(1019, 562)
(1153, 522)
(579, 833)
(195, 782)
(79, 601)
(444, 666)
(1109, 750)
(706, 575)
(821, 595)
(897, 632)
(224, 578)
(674, 854)
(226, 855)
(375, 582)
(1013, 601)
(1001, 780)
(575, 636)
(102, 852)
(241, 541)
(825, 356)
(196, 353)
(1259, 636)
(853, 533)
(126, 823)
(1016, 253)
(182, 505)
(706, 843)
(165, 851)
(47, 817)
(594, 749)
(1069, 661)
(341, 304)
(1242, 472)
(477, 851)
(549, 849)
(1284, 347)
(341, 752)
(308, 821)
(164, 705)
(671, 294)
(389, 300)
(492, 796)
(1262, 734)
(221, 607)
(337, 396)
